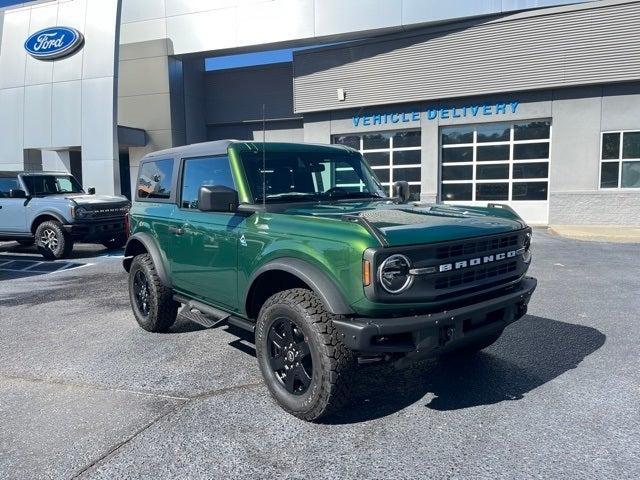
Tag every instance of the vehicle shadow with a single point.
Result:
(80, 251)
(531, 352)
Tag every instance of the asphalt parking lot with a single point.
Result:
(86, 393)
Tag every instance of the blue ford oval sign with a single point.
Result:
(54, 42)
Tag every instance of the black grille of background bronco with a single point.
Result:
(99, 212)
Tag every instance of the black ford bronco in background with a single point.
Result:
(301, 245)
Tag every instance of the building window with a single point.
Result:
(620, 160)
(393, 156)
(495, 161)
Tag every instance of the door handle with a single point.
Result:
(176, 230)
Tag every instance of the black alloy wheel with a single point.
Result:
(141, 292)
(152, 301)
(290, 356)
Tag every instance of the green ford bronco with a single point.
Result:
(300, 245)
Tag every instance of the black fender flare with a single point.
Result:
(151, 246)
(317, 280)
(47, 213)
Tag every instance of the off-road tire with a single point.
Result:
(26, 243)
(334, 365)
(53, 231)
(475, 347)
(162, 309)
(115, 243)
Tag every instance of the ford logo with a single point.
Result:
(52, 43)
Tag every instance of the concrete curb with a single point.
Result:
(598, 233)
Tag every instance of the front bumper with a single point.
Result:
(97, 231)
(436, 333)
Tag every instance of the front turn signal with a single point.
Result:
(366, 273)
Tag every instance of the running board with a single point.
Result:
(210, 317)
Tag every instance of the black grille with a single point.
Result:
(476, 246)
(106, 211)
(476, 275)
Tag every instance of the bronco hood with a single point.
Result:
(419, 223)
(85, 199)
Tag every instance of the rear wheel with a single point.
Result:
(52, 241)
(306, 367)
(152, 302)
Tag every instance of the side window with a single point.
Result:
(8, 184)
(208, 171)
(155, 180)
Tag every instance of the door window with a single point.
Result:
(155, 180)
(205, 171)
(8, 184)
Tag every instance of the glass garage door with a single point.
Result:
(498, 163)
(393, 156)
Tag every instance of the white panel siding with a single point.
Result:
(143, 31)
(37, 116)
(333, 17)
(11, 126)
(213, 30)
(525, 53)
(98, 126)
(264, 22)
(70, 14)
(13, 56)
(182, 7)
(140, 10)
(101, 39)
(37, 71)
(66, 119)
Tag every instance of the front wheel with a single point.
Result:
(152, 301)
(52, 241)
(306, 367)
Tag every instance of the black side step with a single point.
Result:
(210, 317)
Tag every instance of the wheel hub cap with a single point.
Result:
(141, 292)
(290, 356)
(49, 239)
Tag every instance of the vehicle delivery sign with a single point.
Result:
(52, 43)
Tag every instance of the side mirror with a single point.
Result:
(17, 193)
(401, 191)
(91, 191)
(217, 199)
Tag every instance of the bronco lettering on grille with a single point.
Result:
(473, 262)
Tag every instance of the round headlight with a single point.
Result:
(81, 212)
(394, 275)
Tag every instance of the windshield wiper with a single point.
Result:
(355, 195)
(288, 196)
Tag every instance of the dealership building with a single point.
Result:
(535, 104)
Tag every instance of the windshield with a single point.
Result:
(292, 176)
(39, 185)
